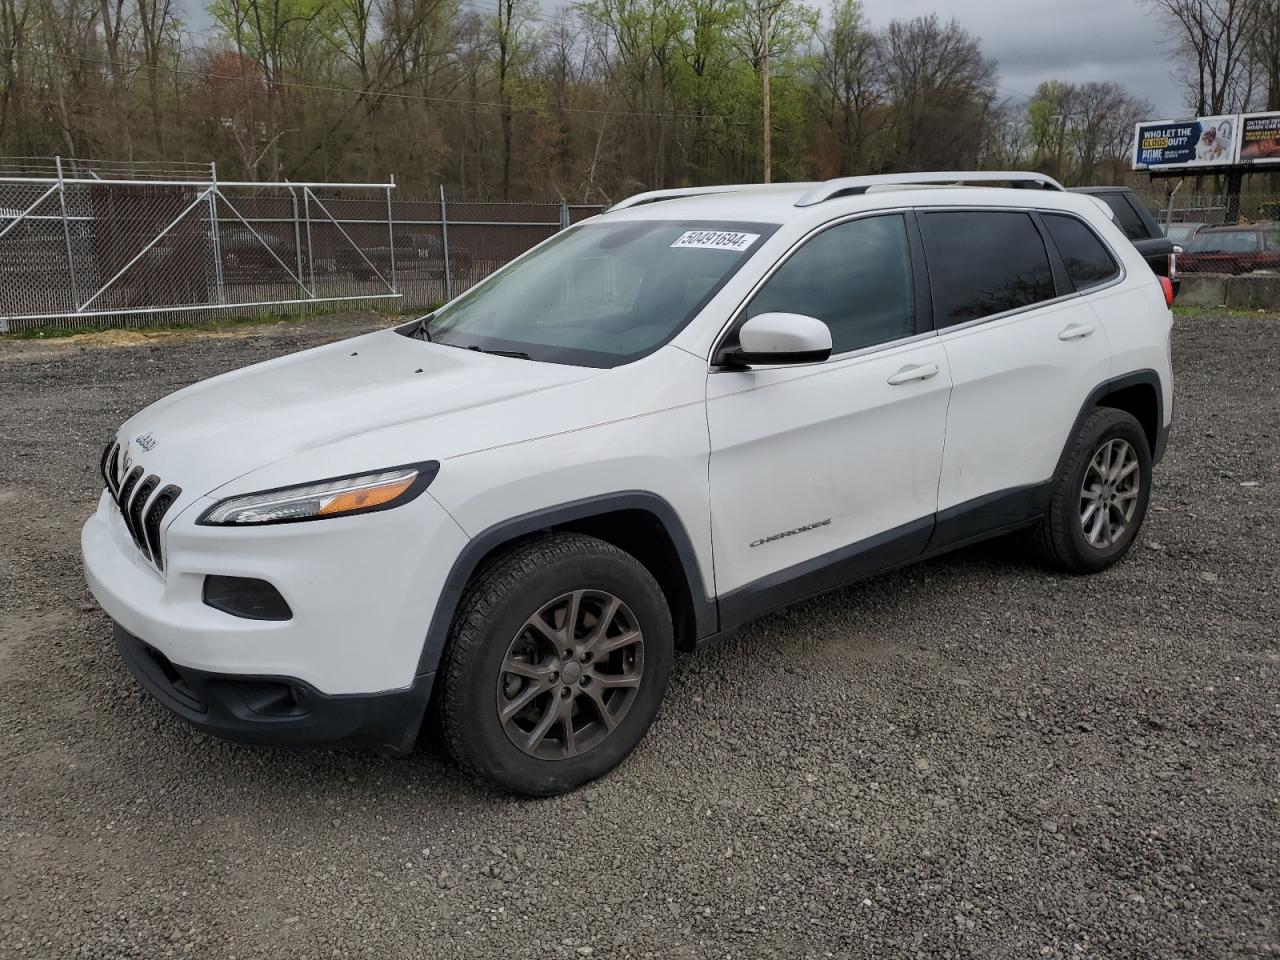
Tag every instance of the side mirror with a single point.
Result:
(779, 338)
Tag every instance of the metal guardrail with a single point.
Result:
(85, 251)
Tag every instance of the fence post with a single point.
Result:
(1232, 213)
(564, 214)
(297, 234)
(66, 235)
(444, 243)
(213, 228)
(311, 252)
(391, 233)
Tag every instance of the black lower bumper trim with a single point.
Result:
(278, 711)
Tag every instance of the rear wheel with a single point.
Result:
(1101, 494)
(556, 665)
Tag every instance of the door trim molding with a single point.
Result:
(824, 573)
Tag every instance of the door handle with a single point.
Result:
(914, 371)
(1076, 331)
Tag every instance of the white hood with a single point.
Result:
(212, 432)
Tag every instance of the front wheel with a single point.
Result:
(556, 665)
(1100, 496)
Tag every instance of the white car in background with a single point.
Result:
(652, 428)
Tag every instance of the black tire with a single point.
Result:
(494, 611)
(1060, 538)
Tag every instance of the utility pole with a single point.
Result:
(767, 15)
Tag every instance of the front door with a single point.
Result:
(823, 472)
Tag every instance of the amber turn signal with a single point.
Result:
(366, 498)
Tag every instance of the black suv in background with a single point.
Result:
(1135, 219)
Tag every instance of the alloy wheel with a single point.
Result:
(570, 675)
(1109, 493)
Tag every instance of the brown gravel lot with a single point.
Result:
(969, 758)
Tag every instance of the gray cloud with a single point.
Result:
(1036, 40)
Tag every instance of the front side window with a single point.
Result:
(600, 294)
(1086, 257)
(984, 262)
(855, 277)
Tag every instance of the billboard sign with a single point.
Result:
(1191, 144)
(1260, 138)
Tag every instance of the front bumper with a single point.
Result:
(362, 591)
(277, 711)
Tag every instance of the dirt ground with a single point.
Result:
(970, 758)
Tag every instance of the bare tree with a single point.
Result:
(499, 98)
(1102, 118)
(13, 36)
(155, 18)
(510, 52)
(845, 87)
(1007, 145)
(941, 89)
(1216, 36)
(1265, 52)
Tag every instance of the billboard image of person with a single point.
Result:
(1202, 142)
(1260, 138)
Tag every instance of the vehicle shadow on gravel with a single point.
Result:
(821, 625)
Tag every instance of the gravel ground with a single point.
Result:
(969, 758)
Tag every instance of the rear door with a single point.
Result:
(820, 473)
(1024, 353)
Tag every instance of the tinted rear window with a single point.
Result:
(1126, 217)
(983, 263)
(1087, 259)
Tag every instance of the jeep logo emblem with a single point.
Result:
(147, 442)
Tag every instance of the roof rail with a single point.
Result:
(852, 186)
(675, 193)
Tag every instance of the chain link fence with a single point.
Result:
(79, 249)
(1231, 248)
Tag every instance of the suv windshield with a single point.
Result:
(600, 295)
(1234, 241)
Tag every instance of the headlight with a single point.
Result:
(339, 496)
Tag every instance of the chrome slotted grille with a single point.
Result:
(141, 507)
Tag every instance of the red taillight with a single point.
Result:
(1167, 286)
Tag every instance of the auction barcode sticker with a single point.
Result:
(716, 240)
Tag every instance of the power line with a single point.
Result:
(1015, 93)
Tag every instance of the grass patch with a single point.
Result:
(1181, 310)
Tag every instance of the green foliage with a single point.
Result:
(503, 99)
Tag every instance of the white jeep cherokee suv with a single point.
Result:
(650, 429)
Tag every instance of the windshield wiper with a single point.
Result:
(501, 353)
(422, 333)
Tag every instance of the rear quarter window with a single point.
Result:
(1127, 218)
(1086, 257)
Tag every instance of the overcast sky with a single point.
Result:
(1077, 41)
